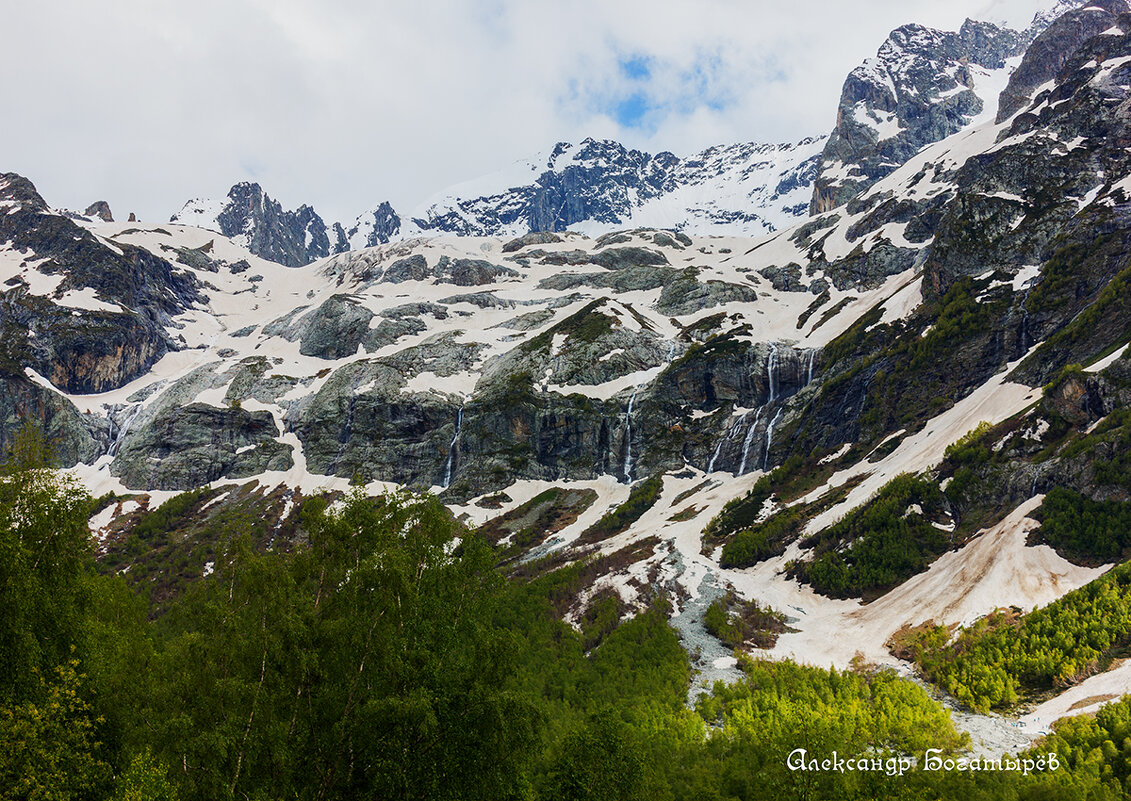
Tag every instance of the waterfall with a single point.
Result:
(771, 369)
(749, 441)
(1025, 322)
(116, 445)
(628, 419)
(452, 449)
(628, 437)
(770, 438)
(715, 455)
(725, 438)
(812, 353)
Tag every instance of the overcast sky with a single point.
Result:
(345, 103)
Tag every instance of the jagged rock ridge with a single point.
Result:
(925, 84)
(254, 220)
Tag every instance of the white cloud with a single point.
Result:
(342, 103)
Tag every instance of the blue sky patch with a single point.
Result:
(630, 111)
(637, 68)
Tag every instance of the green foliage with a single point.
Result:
(602, 615)
(966, 456)
(990, 664)
(781, 706)
(739, 513)
(763, 540)
(322, 669)
(737, 623)
(880, 544)
(861, 710)
(385, 657)
(533, 522)
(1097, 745)
(642, 498)
(1109, 316)
(1064, 374)
(961, 313)
(146, 779)
(169, 514)
(1084, 530)
(588, 324)
(44, 554)
(48, 747)
(28, 450)
(601, 761)
(1116, 436)
(852, 341)
(970, 448)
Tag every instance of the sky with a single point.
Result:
(342, 104)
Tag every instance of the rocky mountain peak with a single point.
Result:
(250, 217)
(99, 209)
(378, 226)
(597, 185)
(18, 190)
(1049, 51)
(922, 86)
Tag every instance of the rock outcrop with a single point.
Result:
(251, 218)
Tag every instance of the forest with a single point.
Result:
(383, 654)
(1007, 655)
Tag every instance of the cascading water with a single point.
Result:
(628, 420)
(749, 441)
(628, 437)
(812, 353)
(715, 455)
(726, 438)
(116, 445)
(771, 371)
(1024, 336)
(770, 439)
(452, 449)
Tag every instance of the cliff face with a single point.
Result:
(86, 314)
(922, 86)
(1049, 51)
(251, 218)
(469, 366)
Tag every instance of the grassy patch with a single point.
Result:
(642, 498)
(743, 623)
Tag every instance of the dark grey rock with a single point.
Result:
(920, 82)
(335, 329)
(1048, 53)
(291, 238)
(99, 209)
(533, 238)
(687, 294)
(410, 268)
(193, 445)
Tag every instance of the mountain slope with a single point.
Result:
(249, 217)
(877, 417)
(925, 84)
(600, 185)
(922, 86)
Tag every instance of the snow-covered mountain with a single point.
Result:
(599, 185)
(922, 86)
(251, 218)
(595, 186)
(961, 323)
(925, 84)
